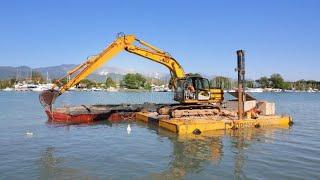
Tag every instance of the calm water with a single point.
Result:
(107, 151)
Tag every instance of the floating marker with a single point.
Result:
(128, 129)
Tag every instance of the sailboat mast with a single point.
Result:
(47, 77)
(31, 75)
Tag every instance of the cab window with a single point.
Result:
(201, 83)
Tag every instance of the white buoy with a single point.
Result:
(128, 129)
(29, 134)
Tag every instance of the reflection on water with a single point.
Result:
(52, 167)
(192, 153)
(191, 156)
(49, 165)
(241, 141)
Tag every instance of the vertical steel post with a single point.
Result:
(241, 83)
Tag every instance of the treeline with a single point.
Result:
(135, 81)
(138, 81)
(275, 81)
(7, 83)
(129, 81)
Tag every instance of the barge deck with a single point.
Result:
(203, 124)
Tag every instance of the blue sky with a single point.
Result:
(278, 36)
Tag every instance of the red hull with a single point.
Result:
(58, 117)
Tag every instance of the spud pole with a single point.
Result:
(241, 83)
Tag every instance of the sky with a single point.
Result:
(277, 36)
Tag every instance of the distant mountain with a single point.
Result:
(55, 71)
(102, 78)
(23, 72)
(105, 70)
(7, 72)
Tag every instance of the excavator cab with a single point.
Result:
(192, 89)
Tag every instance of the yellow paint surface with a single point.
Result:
(187, 126)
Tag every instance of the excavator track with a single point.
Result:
(189, 110)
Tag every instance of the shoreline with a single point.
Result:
(143, 91)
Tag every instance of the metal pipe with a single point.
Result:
(150, 46)
(241, 83)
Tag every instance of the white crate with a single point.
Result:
(267, 108)
(232, 105)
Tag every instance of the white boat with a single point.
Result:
(158, 88)
(7, 89)
(73, 89)
(290, 91)
(250, 90)
(254, 90)
(166, 89)
(96, 89)
(230, 90)
(31, 86)
(41, 87)
(112, 89)
(311, 91)
(21, 87)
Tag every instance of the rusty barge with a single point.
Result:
(91, 113)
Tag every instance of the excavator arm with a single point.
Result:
(159, 57)
(125, 42)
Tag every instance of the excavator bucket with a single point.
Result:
(47, 98)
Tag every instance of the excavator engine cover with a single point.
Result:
(48, 97)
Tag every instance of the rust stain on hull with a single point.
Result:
(91, 113)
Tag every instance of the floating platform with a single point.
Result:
(203, 124)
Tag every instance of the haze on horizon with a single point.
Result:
(278, 36)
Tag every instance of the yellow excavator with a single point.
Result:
(191, 91)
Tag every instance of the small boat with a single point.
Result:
(112, 89)
(73, 89)
(41, 87)
(96, 89)
(21, 87)
(8, 89)
(254, 90)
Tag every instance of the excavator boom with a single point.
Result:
(126, 42)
